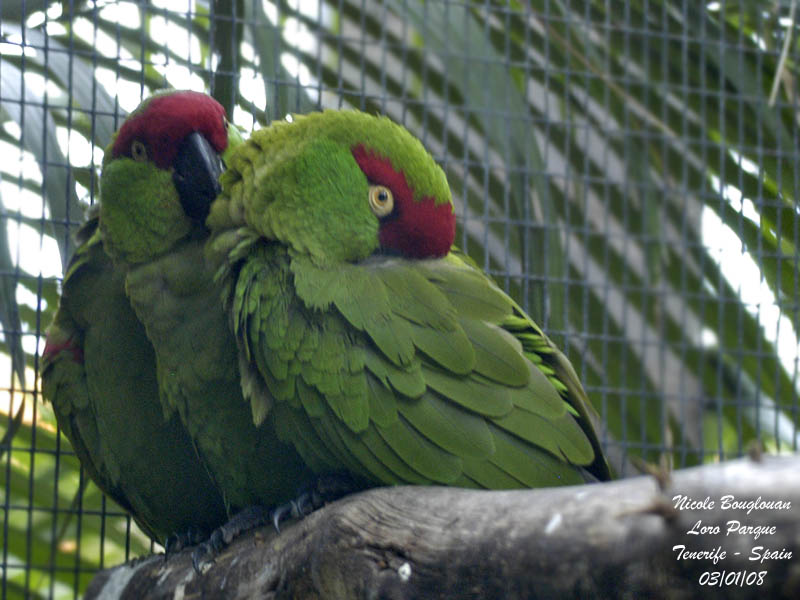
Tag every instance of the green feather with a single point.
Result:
(496, 357)
(304, 437)
(459, 432)
(382, 402)
(532, 466)
(384, 453)
(371, 466)
(362, 300)
(420, 454)
(414, 297)
(561, 437)
(361, 297)
(486, 474)
(352, 408)
(539, 396)
(314, 285)
(475, 393)
(470, 292)
(338, 453)
(408, 381)
(393, 337)
(450, 349)
(313, 403)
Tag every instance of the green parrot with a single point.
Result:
(365, 339)
(153, 229)
(99, 373)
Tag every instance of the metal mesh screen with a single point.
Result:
(627, 171)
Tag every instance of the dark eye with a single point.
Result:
(381, 200)
(138, 151)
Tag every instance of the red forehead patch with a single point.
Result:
(166, 120)
(415, 229)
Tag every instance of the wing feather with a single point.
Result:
(413, 372)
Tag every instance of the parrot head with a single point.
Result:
(340, 186)
(161, 172)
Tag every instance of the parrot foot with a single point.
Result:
(178, 541)
(245, 520)
(323, 489)
(298, 508)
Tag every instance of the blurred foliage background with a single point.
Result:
(628, 171)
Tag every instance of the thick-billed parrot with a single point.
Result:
(99, 368)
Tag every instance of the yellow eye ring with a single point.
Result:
(381, 200)
(138, 151)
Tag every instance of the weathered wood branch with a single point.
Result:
(614, 540)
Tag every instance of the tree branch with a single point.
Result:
(614, 540)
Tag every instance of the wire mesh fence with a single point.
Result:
(627, 171)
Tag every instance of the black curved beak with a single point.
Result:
(197, 168)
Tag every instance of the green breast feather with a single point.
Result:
(100, 375)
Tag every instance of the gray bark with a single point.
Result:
(613, 540)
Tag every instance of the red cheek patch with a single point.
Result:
(415, 229)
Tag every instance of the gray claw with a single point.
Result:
(205, 553)
(284, 512)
